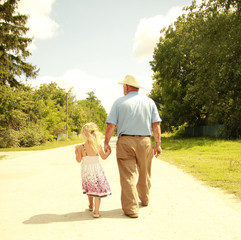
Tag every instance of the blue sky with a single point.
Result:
(90, 45)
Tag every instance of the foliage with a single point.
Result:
(13, 45)
(15, 107)
(77, 116)
(32, 135)
(197, 68)
(9, 138)
(180, 131)
(31, 117)
(53, 111)
(96, 112)
(18, 121)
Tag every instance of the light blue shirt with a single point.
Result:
(134, 114)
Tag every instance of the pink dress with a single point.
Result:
(94, 182)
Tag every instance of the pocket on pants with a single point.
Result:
(125, 148)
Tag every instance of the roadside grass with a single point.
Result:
(45, 146)
(217, 162)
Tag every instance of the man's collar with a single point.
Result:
(132, 93)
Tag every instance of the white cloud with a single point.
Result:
(40, 23)
(148, 33)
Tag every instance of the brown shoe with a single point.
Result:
(144, 204)
(133, 215)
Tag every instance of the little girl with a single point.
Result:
(94, 182)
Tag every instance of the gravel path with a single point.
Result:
(41, 199)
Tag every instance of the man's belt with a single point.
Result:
(135, 135)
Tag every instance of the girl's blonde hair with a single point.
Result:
(91, 135)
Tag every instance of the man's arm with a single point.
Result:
(108, 133)
(157, 135)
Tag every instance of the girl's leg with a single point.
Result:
(90, 202)
(97, 205)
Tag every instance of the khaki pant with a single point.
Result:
(134, 155)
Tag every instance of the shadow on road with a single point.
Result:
(72, 217)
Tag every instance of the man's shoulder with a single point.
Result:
(146, 98)
(119, 100)
(142, 97)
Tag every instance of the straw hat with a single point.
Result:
(130, 80)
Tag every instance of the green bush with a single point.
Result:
(32, 135)
(74, 136)
(180, 131)
(9, 138)
(63, 138)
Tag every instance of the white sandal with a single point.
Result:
(96, 215)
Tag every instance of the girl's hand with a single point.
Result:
(107, 148)
(108, 151)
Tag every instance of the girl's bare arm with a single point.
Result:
(78, 154)
(103, 154)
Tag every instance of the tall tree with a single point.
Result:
(13, 45)
(54, 114)
(77, 115)
(96, 112)
(197, 67)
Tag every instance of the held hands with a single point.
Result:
(107, 148)
(108, 151)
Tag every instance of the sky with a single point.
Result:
(91, 45)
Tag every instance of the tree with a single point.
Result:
(54, 105)
(95, 110)
(30, 117)
(15, 107)
(19, 124)
(197, 67)
(13, 45)
(77, 115)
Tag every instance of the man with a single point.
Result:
(135, 116)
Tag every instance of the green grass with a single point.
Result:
(45, 146)
(217, 162)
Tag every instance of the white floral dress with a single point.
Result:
(94, 182)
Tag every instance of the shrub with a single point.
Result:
(32, 135)
(9, 138)
(180, 131)
(74, 136)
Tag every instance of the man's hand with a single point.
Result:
(157, 135)
(157, 150)
(107, 147)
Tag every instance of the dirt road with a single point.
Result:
(41, 199)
